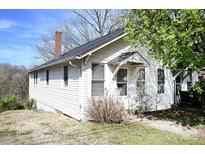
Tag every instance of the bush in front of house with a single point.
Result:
(197, 92)
(29, 103)
(9, 103)
(106, 109)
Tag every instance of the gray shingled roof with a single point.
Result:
(127, 55)
(121, 57)
(81, 50)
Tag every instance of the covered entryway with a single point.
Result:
(129, 75)
(183, 81)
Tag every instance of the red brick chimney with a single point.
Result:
(58, 41)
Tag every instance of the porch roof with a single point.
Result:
(121, 58)
(135, 58)
(129, 57)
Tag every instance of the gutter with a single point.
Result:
(55, 63)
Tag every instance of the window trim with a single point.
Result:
(123, 82)
(97, 80)
(160, 81)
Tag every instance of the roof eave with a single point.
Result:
(52, 64)
(79, 56)
(100, 47)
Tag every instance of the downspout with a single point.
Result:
(81, 92)
(81, 83)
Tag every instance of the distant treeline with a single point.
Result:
(13, 81)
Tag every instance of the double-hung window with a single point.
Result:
(97, 79)
(141, 81)
(65, 76)
(161, 81)
(47, 77)
(122, 81)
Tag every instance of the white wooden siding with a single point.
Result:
(104, 55)
(55, 95)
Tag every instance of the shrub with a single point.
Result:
(197, 92)
(29, 104)
(9, 103)
(106, 109)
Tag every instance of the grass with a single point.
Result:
(183, 116)
(8, 133)
(30, 127)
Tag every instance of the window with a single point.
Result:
(97, 79)
(189, 81)
(65, 75)
(122, 81)
(178, 84)
(35, 78)
(160, 87)
(47, 77)
(141, 81)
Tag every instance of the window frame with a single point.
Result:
(141, 81)
(47, 77)
(65, 77)
(35, 77)
(124, 81)
(97, 80)
(190, 81)
(160, 82)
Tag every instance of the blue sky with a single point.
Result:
(21, 29)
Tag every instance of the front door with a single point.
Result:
(136, 87)
(140, 88)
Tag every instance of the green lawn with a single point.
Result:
(30, 127)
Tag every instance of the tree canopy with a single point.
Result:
(176, 37)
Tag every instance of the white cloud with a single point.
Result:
(4, 24)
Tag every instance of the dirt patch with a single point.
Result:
(167, 126)
(6, 140)
(201, 134)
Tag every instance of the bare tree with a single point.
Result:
(96, 22)
(85, 26)
(13, 81)
(20, 85)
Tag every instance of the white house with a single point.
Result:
(105, 65)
